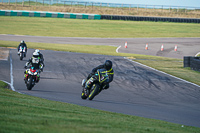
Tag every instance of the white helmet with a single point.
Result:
(22, 41)
(37, 50)
(35, 54)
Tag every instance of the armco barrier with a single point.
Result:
(48, 14)
(192, 62)
(155, 19)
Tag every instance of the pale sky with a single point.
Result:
(189, 3)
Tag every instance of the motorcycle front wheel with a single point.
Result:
(29, 83)
(83, 96)
(21, 56)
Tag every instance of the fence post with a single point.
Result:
(100, 6)
(9, 2)
(85, 4)
(64, 3)
(23, 3)
(15, 2)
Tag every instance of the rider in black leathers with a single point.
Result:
(108, 66)
(23, 44)
(40, 57)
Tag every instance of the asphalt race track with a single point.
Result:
(136, 89)
(185, 46)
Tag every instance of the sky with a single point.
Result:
(186, 3)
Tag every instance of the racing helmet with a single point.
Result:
(37, 50)
(22, 41)
(35, 54)
(108, 64)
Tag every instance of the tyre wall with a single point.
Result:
(48, 14)
(155, 19)
(192, 62)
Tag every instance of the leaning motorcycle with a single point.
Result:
(31, 77)
(96, 82)
(22, 52)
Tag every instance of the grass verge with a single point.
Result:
(61, 27)
(23, 113)
(168, 65)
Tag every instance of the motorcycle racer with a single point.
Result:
(40, 55)
(36, 63)
(22, 44)
(108, 66)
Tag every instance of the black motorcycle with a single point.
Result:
(96, 82)
(22, 52)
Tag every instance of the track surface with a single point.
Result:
(136, 90)
(186, 46)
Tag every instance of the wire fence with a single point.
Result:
(110, 8)
(98, 4)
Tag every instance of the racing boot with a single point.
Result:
(25, 78)
(37, 78)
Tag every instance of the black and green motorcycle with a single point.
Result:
(94, 85)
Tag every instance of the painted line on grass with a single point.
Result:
(162, 72)
(118, 48)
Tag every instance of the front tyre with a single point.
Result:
(21, 56)
(29, 83)
(94, 91)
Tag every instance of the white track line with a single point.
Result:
(118, 48)
(197, 54)
(163, 72)
(11, 74)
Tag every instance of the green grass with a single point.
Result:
(61, 27)
(23, 113)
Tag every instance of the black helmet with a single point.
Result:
(108, 64)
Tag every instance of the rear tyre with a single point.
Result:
(94, 91)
